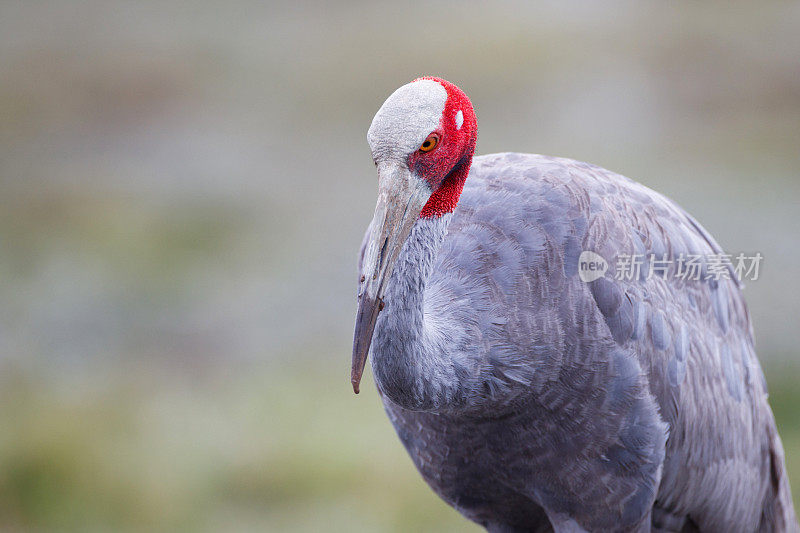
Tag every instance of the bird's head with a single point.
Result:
(422, 141)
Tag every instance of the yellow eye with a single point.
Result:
(430, 143)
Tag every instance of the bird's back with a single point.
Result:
(677, 354)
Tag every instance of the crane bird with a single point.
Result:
(529, 398)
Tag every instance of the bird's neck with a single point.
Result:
(445, 198)
(410, 367)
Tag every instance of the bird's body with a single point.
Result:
(531, 400)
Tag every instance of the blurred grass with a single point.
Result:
(784, 398)
(271, 450)
(262, 450)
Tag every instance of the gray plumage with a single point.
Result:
(532, 401)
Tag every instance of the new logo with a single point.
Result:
(591, 266)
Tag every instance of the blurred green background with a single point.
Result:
(184, 187)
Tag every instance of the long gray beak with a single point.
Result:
(401, 197)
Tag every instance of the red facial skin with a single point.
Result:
(446, 167)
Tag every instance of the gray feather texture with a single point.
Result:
(532, 401)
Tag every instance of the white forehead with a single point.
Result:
(406, 118)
